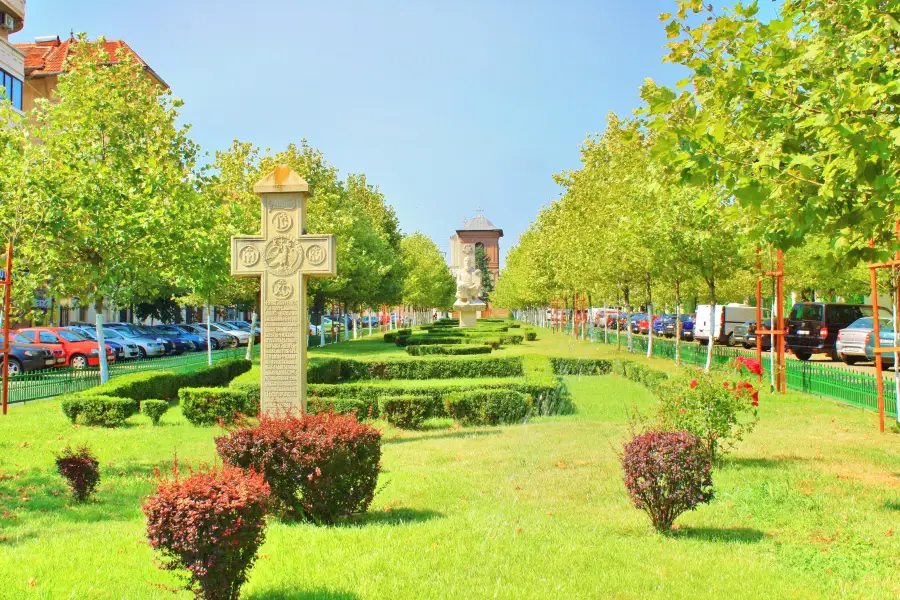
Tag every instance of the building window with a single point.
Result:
(12, 89)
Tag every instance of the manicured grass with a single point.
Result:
(807, 507)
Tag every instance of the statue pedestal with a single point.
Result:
(468, 311)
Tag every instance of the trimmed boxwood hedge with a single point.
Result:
(96, 409)
(448, 349)
(137, 387)
(488, 407)
(210, 405)
(580, 366)
(392, 336)
(420, 340)
(406, 411)
(436, 367)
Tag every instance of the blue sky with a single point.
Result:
(447, 106)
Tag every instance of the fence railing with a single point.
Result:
(851, 387)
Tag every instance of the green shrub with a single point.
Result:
(165, 384)
(323, 370)
(343, 406)
(437, 367)
(90, 408)
(405, 412)
(515, 325)
(248, 383)
(154, 409)
(488, 407)
(580, 366)
(550, 396)
(718, 410)
(453, 350)
(531, 336)
(209, 405)
(511, 339)
(418, 340)
(392, 336)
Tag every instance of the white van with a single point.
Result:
(725, 319)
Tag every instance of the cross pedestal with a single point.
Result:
(283, 256)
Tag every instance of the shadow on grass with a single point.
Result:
(736, 535)
(397, 516)
(286, 593)
(444, 436)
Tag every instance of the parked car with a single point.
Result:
(79, 351)
(812, 327)
(245, 326)
(217, 339)
(125, 349)
(373, 319)
(886, 340)
(148, 346)
(722, 322)
(667, 326)
(243, 337)
(25, 356)
(745, 335)
(853, 342)
(198, 341)
(182, 342)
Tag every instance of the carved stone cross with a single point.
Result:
(283, 256)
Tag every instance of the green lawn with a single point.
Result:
(807, 507)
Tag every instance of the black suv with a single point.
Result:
(812, 327)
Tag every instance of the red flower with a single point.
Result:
(725, 383)
(755, 400)
(752, 365)
(694, 384)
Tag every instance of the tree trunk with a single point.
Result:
(101, 341)
(628, 321)
(677, 322)
(712, 323)
(208, 331)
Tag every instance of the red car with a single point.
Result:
(78, 351)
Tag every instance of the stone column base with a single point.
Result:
(468, 312)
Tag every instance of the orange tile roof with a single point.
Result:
(43, 59)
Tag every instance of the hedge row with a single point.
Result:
(488, 407)
(639, 373)
(392, 335)
(337, 370)
(448, 349)
(111, 403)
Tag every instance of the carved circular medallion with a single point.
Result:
(282, 290)
(316, 255)
(283, 255)
(468, 249)
(248, 256)
(282, 221)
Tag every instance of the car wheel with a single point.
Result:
(78, 361)
(850, 360)
(802, 355)
(14, 367)
(214, 343)
(141, 353)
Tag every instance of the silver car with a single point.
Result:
(147, 346)
(243, 337)
(217, 339)
(853, 339)
(130, 348)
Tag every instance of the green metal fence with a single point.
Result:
(36, 385)
(851, 387)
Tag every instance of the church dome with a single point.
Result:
(479, 223)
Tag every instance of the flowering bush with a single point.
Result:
(322, 466)
(719, 410)
(81, 469)
(210, 524)
(667, 473)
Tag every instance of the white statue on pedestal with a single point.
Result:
(468, 293)
(468, 282)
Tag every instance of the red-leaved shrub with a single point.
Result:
(667, 473)
(81, 469)
(210, 523)
(322, 466)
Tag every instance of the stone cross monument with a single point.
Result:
(283, 256)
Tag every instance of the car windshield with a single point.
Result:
(107, 332)
(71, 336)
(90, 334)
(127, 329)
(685, 318)
(16, 338)
(806, 312)
(157, 331)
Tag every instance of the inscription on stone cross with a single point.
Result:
(283, 256)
